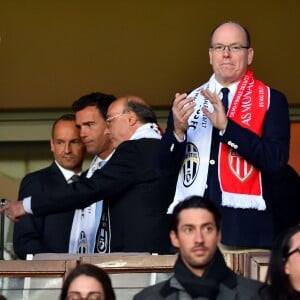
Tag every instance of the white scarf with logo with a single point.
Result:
(86, 221)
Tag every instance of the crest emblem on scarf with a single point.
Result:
(191, 164)
(83, 243)
(239, 166)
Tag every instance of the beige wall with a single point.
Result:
(54, 51)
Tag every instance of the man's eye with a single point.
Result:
(208, 229)
(188, 229)
(235, 48)
(219, 47)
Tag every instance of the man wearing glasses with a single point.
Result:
(137, 195)
(227, 138)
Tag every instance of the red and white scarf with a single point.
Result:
(239, 180)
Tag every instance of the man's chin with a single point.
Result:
(199, 264)
(91, 150)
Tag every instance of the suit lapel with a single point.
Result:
(56, 176)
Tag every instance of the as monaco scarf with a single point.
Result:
(239, 180)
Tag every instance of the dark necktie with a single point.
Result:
(74, 178)
(225, 92)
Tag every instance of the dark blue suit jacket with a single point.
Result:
(242, 227)
(138, 197)
(48, 234)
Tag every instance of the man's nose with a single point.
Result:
(107, 131)
(83, 132)
(67, 148)
(226, 51)
(198, 236)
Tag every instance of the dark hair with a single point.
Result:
(195, 202)
(247, 33)
(143, 111)
(93, 271)
(65, 117)
(100, 100)
(280, 285)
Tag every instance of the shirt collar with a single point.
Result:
(66, 173)
(232, 90)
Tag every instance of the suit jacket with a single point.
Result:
(49, 234)
(137, 196)
(246, 289)
(241, 227)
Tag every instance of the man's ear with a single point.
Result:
(286, 268)
(51, 145)
(132, 118)
(174, 239)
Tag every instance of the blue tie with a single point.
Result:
(225, 92)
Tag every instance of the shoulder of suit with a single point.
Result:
(275, 94)
(39, 173)
(139, 143)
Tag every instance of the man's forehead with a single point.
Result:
(88, 114)
(195, 216)
(116, 106)
(228, 31)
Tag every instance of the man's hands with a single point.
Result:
(14, 210)
(183, 108)
(218, 117)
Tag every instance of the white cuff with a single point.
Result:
(27, 205)
(221, 132)
(179, 140)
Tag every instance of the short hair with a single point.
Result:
(246, 31)
(281, 287)
(143, 111)
(92, 271)
(65, 117)
(195, 202)
(100, 100)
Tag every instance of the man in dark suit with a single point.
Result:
(229, 156)
(138, 197)
(200, 271)
(51, 233)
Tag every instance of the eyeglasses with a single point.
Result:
(90, 296)
(292, 252)
(108, 120)
(232, 48)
